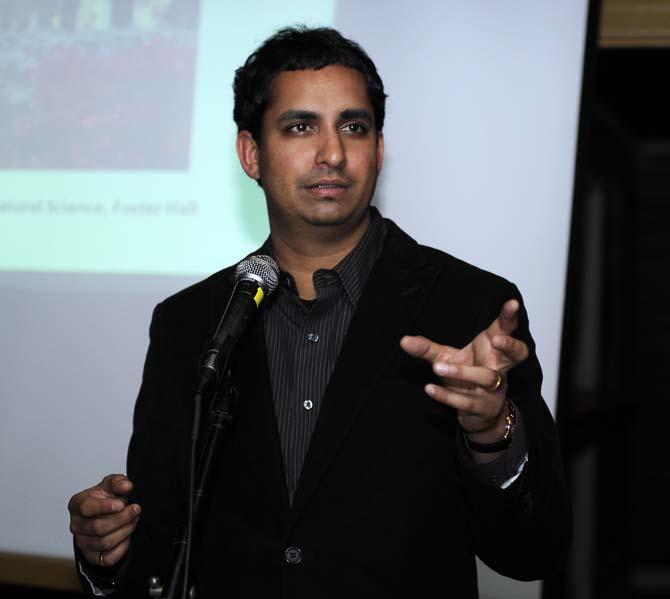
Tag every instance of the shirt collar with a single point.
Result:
(353, 270)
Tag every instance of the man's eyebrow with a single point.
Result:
(310, 115)
(298, 115)
(356, 113)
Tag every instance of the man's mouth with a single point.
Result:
(328, 185)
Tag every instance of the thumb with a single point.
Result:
(422, 347)
(116, 485)
(419, 347)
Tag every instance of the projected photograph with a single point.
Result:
(97, 84)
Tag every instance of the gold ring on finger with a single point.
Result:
(497, 384)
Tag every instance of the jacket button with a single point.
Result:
(293, 555)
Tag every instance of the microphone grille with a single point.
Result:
(262, 268)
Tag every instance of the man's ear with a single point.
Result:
(247, 152)
(380, 152)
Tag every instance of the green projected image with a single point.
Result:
(118, 145)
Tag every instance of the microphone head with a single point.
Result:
(260, 268)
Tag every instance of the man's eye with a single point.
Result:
(299, 128)
(355, 128)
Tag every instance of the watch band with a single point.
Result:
(504, 443)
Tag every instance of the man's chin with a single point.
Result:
(337, 220)
(329, 220)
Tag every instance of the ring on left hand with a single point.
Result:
(497, 384)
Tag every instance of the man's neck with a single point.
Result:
(302, 255)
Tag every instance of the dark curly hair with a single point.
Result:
(298, 49)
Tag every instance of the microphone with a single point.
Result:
(256, 277)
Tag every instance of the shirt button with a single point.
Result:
(307, 404)
(293, 555)
(313, 337)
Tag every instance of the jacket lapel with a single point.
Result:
(389, 304)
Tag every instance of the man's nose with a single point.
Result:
(331, 150)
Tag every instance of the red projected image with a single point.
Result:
(97, 84)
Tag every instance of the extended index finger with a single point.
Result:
(515, 350)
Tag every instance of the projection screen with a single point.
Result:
(120, 185)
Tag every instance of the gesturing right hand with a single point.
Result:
(102, 522)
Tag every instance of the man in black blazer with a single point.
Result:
(432, 442)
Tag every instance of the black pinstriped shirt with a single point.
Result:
(303, 342)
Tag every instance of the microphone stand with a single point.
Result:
(221, 411)
(256, 277)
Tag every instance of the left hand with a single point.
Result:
(468, 375)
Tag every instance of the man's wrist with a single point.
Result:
(101, 580)
(494, 433)
(497, 469)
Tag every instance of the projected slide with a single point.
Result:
(97, 85)
(117, 152)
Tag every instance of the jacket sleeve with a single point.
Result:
(156, 461)
(523, 531)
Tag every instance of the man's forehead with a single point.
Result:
(334, 85)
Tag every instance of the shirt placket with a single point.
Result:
(310, 370)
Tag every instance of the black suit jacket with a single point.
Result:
(383, 507)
